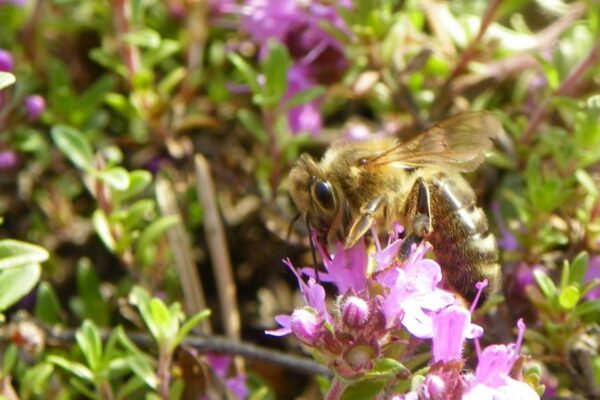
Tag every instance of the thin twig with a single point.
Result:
(207, 344)
(129, 52)
(219, 251)
(442, 99)
(179, 241)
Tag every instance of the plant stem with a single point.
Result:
(336, 390)
(164, 373)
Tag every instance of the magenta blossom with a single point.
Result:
(236, 384)
(492, 378)
(35, 105)
(593, 272)
(369, 307)
(6, 61)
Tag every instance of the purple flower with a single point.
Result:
(593, 272)
(236, 384)
(35, 105)
(492, 378)
(508, 240)
(18, 3)
(6, 61)
(347, 270)
(304, 117)
(8, 160)
(414, 294)
(306, 325)
(451, 327)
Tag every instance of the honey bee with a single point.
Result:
(378, 181)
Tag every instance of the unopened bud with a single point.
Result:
(306, 326)
(6, 61)
(35, 105)
(355, 312)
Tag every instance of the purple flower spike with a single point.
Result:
(6, 61)
(35, 105)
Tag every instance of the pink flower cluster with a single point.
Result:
(318, 57)
(382, 301)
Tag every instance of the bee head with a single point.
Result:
(313, 194)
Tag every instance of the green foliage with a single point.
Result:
(135, 92)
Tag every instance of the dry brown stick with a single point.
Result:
(219, 251)
(179, 240)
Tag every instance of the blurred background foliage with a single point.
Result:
(98, 172)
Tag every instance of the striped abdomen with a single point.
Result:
(464, 248)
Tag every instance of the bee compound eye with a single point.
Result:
(323, 192)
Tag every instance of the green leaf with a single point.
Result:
(578, 268)
(17, 282)
(103, 229)
(248, 73)
(37, 378)
(275, 69)
(386, 368)
(95, 306)
(72, 367)
(569, 297)
(116, 177)
(166, 86)
(190, 324)
(164, 50)
(140, 298)
(138, 182)
(88, 339)
(546, 285)
(587, 182)
(155, 231)
(143, 370)
(145, 37)
(305, 96)
(162, 319)
(363, 390)
(253, 125)
(14, 253)
(47, 306)
(11, 355)
(592, 306)
(74, 145)
(6, 79)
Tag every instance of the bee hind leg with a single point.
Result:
(419, 212)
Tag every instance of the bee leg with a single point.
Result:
(363, 222)
(419, 213)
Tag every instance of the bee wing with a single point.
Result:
(459, 142)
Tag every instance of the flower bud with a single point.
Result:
(6, 61)
(35, 105)
(435, 387)
(355, 312)
(8, 159)
(306, 326)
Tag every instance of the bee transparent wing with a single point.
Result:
(459, 142)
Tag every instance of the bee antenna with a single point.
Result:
(312, 248)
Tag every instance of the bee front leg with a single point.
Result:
(419, 212)
(364, 221)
